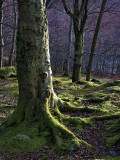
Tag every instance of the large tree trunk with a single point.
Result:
(33, 61)
(37, 100)
(1, 34)
(78, 57)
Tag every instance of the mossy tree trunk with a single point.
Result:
(33, 61)
(37, 100)
(78, 56)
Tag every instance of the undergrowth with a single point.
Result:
(95, 100)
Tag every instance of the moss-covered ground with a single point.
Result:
(93, 116)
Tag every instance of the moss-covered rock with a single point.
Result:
(7, 72)
(95, 80)
(91, 85)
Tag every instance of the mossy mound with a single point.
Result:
(114, 128)
(81, 82)
(6, 72)
(21, 138)
(96, 97)
(95, 80)
(87, 84)
(111, 141)
(109, 106)
(113, 89)
(91, 85)
(115, 83)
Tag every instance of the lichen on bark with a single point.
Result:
(37, 100)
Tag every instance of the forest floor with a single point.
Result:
(104, 134)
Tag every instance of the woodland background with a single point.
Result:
(61, 35)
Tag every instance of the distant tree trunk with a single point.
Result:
(78, 57)
(67, 61)
(113, 62)
(1, 34)
(104, 65)
(79, 40)
(12, 51)
(118, 66)
(89, 68)
(79, 20)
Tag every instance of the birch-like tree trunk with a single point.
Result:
(1, 34)
(12, 51)
(67, 61)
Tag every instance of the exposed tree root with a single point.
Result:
(53, 120)
(105, 117)
(67, 107)
(78, 121)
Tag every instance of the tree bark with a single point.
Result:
(33, 61)
(89, 68)
(79, 38)
(1, 34)
(78, 57)
(37, 100)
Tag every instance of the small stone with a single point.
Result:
(113, 153)
(20, 136)
(11, 74)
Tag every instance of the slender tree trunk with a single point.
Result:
(1, 34)
(12, 51)
(118, 66)
(103, 65)
(113, 62)
(67, 65)
(89, 68)
(79, 20)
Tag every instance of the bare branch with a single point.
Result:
(82, 7)
(48, 3)
(67, 9)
